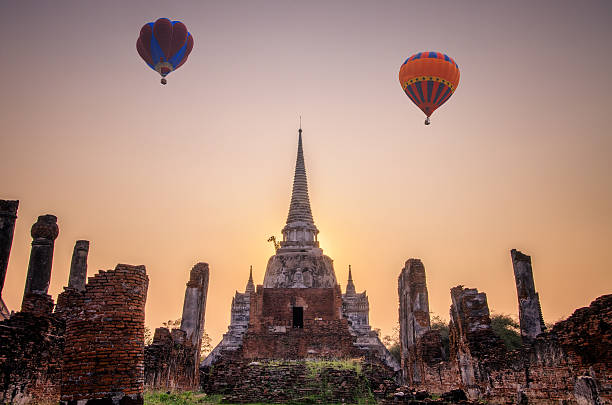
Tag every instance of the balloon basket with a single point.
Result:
(427, 121)
(164, 81)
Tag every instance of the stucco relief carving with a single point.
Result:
(300, 270)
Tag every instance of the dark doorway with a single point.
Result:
(298, 317)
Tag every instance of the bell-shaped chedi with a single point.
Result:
(299, 262)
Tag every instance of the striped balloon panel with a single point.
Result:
(428, 95)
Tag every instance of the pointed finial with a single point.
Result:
(350, 286)
(299, 208)
(250, 287)
(300, 123)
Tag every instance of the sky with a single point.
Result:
(200, 170)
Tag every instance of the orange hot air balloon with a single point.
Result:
(429, 79)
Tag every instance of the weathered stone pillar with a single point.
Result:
(103, 360)
(35, 297)
(8, 215)
(413, 316)
(78, 266)
(471, 337)
(530, 312)
(194, 307)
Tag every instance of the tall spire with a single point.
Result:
(300, 232)
(299, 209)
(250, 287)
(350, 287)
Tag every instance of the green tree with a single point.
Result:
(507, 329)
(439, 324)
(392, 343)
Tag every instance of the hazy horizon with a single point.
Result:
(200, 170)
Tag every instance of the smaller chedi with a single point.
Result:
(299, 312)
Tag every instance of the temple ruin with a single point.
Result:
(568, 364)
(299, 312)
(87, 347)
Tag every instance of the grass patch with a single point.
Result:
(316, 366)
(179, 398)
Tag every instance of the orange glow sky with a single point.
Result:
(201, 169)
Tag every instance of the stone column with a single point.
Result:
(78, 266)
(44, 232)
(8, 215)
(413, 316)
(194, 307)
(530, 312)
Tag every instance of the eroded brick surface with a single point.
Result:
(31, 348)
(272, 334)
(297, 381)
(170, 361)
(544, 371)
(104, 349)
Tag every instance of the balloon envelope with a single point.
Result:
(429, 79)
(164, 45)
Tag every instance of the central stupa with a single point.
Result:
(299, 312)
(299, 262)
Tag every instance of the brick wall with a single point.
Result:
(169, 361)
(273, 306)
(271, 334)
(544, 371)
(31, 348)
(295, 381)
(104, 349)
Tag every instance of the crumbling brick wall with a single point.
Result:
(173, 359)
(272, 335)
(104, 346)
(544, 371)
(300, 381)
(414, 320)
(31, 348)
(169, 361)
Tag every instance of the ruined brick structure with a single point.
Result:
(194, 308)
(104, 345)
(571, 363)
(273, 333)
(35, 297)
(471, 336)
(31, 347)
(239, 323)
(8, 215)
(294, 381)
(90, 349)
(414, 318)
(78, 265)
(172, 360)
(530, 312)
(31, 341)
(299, 312)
